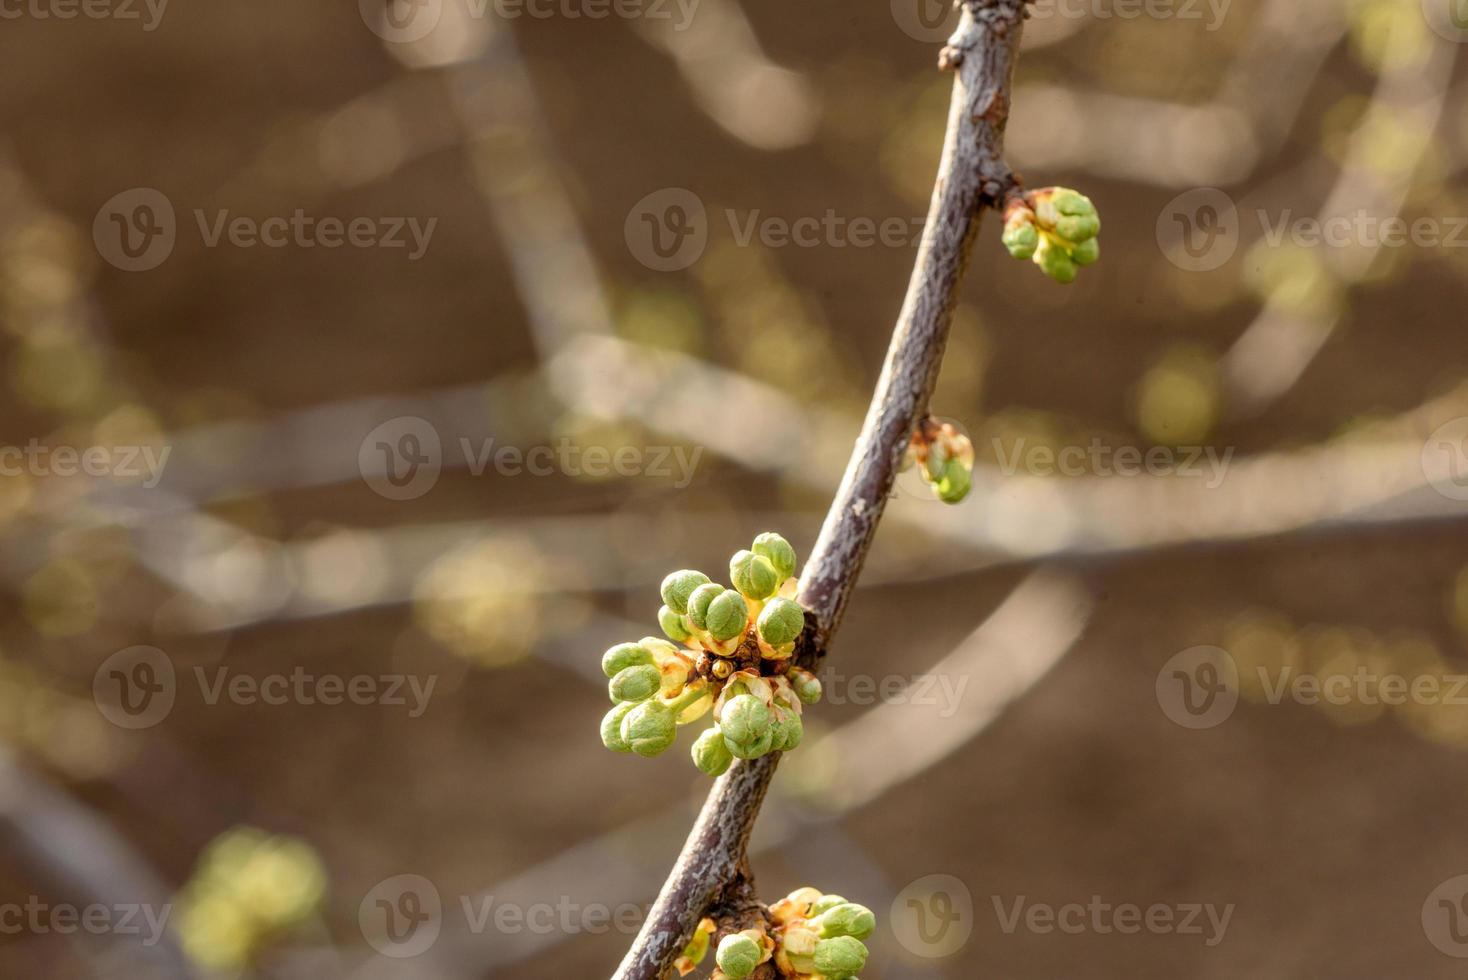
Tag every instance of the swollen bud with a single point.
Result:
(611, 727)
(622, 656)
(779, 552)
(710, 754)
(955, 483)
(673, 624)
(1070, 214)
(840, 958)
(807, 686)
(786, 730)
(678, 586)
(635, 683)
(1087, 252)
(745, 722)
(780, 622)
(1055, 261)
(1021, 237)
(727, 615)
(845, 919)
(649, 728)
(738, 955)
(698, 603)
(825, 903)
(753, 575)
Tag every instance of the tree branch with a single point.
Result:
(972, 175)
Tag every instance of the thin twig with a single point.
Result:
(971, 175)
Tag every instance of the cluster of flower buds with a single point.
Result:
(811, 937)
(945, 458)
(1056, 227)
(736, 659)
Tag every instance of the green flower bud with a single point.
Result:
(678, 586)
(787, 731)
(710, 754)
(955, 484)
(1055, 261)
(745, 718)
(1021, 238)
(1070, 214)
(738, 955)
(846, 919)
(698, 603)
(807, 686)
(727, 615)
(635, 683)
(697, 948)
(770, 545)
(649, 728)
(611, 727)
(622, 656)
(1087, 252)
(673, 624)
(825, 903)
(752, 750)
(841, 958)
(780, 622)
(753, 575)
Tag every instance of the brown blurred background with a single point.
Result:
(298, 666)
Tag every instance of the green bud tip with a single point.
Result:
(825, 903)
(1087, 252)
(635, 683)
(745, 723)
(1021, 239)
(649, 728)
(738, 955)
(955, 483)
(727, 616)
(673, 624)
(710, 754)
(753, 575)
(1055, 261)
(611, 727)
(840, 958)
(1067, 213)
(786, 731)
(780, 622)
(622, 656)
(697, 948)
(678, 586)
(698, 603)
(807, 685)
(770, 545)
(846, 919)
